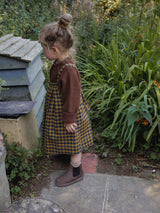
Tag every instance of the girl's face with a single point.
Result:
(50, 53)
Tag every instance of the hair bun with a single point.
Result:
(65, 20)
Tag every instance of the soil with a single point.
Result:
(110, 161)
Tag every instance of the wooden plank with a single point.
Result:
(6, 37)
(36, 84)
(14, 108)
(14, 77)
(33, 53)
(39, 99)
(8, 42)
(17, 47)
(34, 67)
(14, 48)
(11, 63)
(15, 94)
(23, 51)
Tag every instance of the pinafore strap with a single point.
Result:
(62, 68)
(58, 77)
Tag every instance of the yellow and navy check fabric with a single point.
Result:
(55, 137)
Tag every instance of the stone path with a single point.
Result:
(96, 193)
(102, 193)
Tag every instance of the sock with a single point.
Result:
(76, 171)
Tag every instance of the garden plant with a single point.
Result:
(121, 79)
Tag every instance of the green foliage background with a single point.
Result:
(25, 18)
(121, 78)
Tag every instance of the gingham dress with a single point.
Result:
(55, 137)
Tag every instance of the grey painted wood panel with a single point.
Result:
(36, 84)
(34, 68)
(11, 63)
(14, 48)
(36, 50)
(15, 94)
(8, 42)
(14, 78)
(24, 50)
(2, 39)
(39, 99)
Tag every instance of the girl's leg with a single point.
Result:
(73, 174)
(76, 160)
(76, 163)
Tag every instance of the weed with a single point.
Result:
(135, 168)
(118, 161)
(154, 175)
(31, 195)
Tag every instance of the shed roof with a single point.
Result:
(17, 47)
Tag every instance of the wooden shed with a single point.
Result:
(21, 67)
(22, 100)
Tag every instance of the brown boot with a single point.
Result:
(72, 175)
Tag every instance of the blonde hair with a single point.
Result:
(58, 33)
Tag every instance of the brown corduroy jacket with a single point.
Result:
(70, 86)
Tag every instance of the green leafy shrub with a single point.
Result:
(121, 81)
(20, 166)
(107, 7)
(85, 24)
(25, 18)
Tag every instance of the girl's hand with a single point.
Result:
(70, 127)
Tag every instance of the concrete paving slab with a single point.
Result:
(86, 196)
(102, 193)
(132, 195)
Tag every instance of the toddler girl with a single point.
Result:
(66, 126)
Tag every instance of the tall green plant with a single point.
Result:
(121, 81)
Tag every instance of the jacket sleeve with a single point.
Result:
(71, 89)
